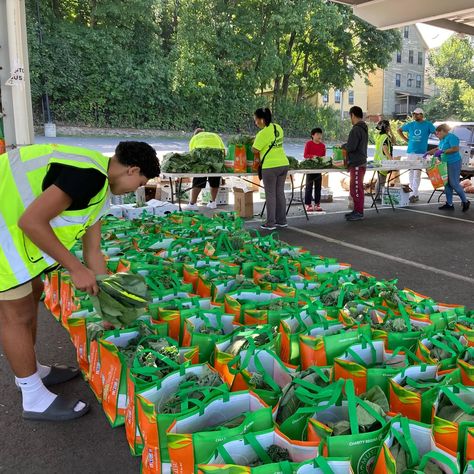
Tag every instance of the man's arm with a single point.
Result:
(402, 135)
(92, 253)
(35, 223)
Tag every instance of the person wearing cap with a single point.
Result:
(419, 131)
(203, 139)
(448, 152)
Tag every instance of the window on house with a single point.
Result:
(410, 56)
(399, 56)
(351, 97)
(405, 31)
(398, 80)
(418, 81)
(337, 96)
(420, 57)
(409, 79)
(325, 97)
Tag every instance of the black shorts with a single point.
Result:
(214, 182)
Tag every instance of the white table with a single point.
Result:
(396, 165)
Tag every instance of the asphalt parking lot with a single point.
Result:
(425, 249)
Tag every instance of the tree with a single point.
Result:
(454, 59)
(453, 75)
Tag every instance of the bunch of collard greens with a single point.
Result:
(200, 160)
(121, 298)
(275, 453)
(241, 341)
(392, 325)
(318, 162)
(418, 386)
(293, 162)
(137, 348)
(289, 401)
(279, 304)
(189, 388)
(242, 283)
(451, 412)
(377, 400)
(438, 353)
(404, 463)
(241, 139)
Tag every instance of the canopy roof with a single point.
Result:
(455, 15)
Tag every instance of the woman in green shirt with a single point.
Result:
(268, 146)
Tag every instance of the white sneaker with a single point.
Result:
(192, 207)
(212, 205)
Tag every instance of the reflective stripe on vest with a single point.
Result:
(379, 142)
(22, 172)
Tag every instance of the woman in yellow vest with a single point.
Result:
(50, 197)
(383, 151)
(268, 145)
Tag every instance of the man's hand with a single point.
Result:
(84, 280)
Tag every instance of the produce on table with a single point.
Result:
(199, 160)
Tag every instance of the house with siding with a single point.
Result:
(394, 92)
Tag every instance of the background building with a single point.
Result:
(397, 90)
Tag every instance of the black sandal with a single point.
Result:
(62, 409)
(60, 374)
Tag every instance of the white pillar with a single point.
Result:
(15, 78)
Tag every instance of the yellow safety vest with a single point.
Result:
(22, 172)
(379, 141)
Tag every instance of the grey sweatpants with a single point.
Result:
(274, 184)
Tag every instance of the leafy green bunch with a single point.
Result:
(241, 139)
(275, 453)
(121, 298)
(318, 162)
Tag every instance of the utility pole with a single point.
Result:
(15, 74)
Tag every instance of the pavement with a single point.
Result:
(426, 249)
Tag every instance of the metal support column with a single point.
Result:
(14, 74)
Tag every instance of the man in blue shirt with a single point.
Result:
(418, 133)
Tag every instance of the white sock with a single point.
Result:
(36, 397)
(43, 370)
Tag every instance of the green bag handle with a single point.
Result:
(443, 346)
(364, 342)
(200, 314)
(406, 441)
(416, 384)
(332, 396)
(167, 360)
(251, 439)
(456, 400)
(260, 369)
(322, 463)
(438, 457)
(353, 400)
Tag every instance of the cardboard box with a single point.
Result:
(165, 194)
(243, 202)
(222, 198)
(325, 181)
(398, 197)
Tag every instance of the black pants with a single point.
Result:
(214, 182)
(316, 180)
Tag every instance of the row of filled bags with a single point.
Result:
(291, 311)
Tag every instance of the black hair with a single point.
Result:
(264, 114)
(139, 154)
(316, 130)
(356, 111)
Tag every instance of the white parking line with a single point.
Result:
(420, 266)
(437, 215)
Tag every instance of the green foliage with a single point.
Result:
(178, 65)
(454, 59)
(453, 68)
